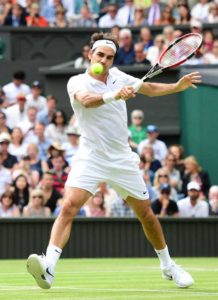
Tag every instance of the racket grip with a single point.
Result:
(137, 85)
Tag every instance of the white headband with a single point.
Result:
(106, 43)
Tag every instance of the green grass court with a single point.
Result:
(125, 279)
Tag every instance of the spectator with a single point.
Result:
(95, 205)
(126, 13)
(72, 145)
(60, 176)
(208, 40)
(169, 34)
(21, 190)
(85, 19)
(137, 128)
(38, 138)
(111, 18)
(178, 152)
(140, 55)
(35, 162)
(162, 176)
(110, 197)
(175, 177)
(115, 31)
(83, 61)
(153, 12)
(17, 113)
(9, 160)
(196, 26)
(166, 17)
(213, 199)
(184, 14)
(15, 17)
(149, 162)
(5, 176)
(8, 208)
(29, 123)
(139, 18)
(193, 206)
(213, 13)
(55, 150)
(93, 6)
(16, 87)
(212, 58)
(3, 121)
(147, 180)
(2, 94)
(125, 54)
(200, 11)
(47, 114)
(16, 147)
(35, 98)
(164, 206)
(194, 172)
(56, 131)
(120, 208)
(159, 147)
(146, 38)
(34, 19)
(52, 198)
(35, 207)
(155, 51)
(60, 20)
(49, 8)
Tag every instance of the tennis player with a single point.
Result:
(99, 102)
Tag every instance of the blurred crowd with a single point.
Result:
(38, 142)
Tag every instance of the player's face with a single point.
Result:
(103, 55)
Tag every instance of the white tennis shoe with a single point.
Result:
(38, 267)
(181, 278)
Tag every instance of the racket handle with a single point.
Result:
(137, 85)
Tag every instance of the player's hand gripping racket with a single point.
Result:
(176, 54)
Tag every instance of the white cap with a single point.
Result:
(193, 185)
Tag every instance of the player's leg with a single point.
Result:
(42, 267)
(154, 233)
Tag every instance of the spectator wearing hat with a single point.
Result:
(137, 128)
(72, 145)
(47, 114)
(164, 206)
(5, 176)
(54, 150)
(56, 131)
(159, 147)
(35, 99)
(9, 160)
(17, 112)
(15, 87)
(193, 206)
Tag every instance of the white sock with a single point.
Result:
(52, 254)
(164, 257)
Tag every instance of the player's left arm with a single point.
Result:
(160, 89)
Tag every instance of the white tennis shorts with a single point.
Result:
(122, 174)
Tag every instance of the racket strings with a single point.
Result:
(180, 51)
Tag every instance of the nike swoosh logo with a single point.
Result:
(57, 251)
(114, 81)
(47, 271)
(144, 193)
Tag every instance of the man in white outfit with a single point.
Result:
(99, 103)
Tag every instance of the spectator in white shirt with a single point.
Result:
(193, 206)
(200, 11)
(111, 18)
(159, 147)
(35, 99)
(72, 145)
(29, 123)
(126, 13)
(16, 87)
(213, 13)
(17, 112)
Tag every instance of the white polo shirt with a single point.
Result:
(186, 209)
(103, 129)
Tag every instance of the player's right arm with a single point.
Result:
(88, 99)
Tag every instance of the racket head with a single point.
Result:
(180, 50)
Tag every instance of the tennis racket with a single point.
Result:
(176, 54)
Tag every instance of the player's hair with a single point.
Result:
(103, 36)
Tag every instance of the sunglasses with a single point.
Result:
(163, 175)
(37, 196)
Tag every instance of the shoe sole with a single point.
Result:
(36, 269)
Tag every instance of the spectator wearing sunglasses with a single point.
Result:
(36, 207)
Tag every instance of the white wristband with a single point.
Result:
(109, 97)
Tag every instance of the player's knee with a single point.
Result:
(70, 209)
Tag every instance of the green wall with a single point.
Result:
(198, 111)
